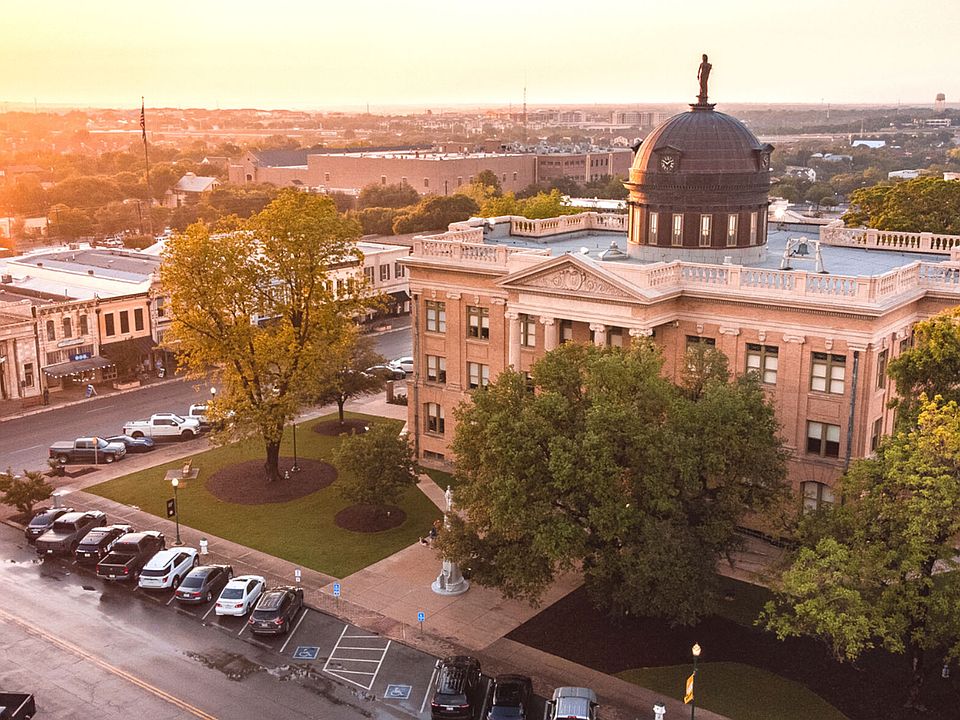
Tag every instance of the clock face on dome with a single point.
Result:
(668, 163)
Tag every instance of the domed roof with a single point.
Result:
(702, 141)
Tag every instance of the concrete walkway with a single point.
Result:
(386, 596)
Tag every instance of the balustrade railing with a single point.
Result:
(939, 244)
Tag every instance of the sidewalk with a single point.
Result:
(385, 597)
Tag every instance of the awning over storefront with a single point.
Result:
(399, 296)
(77, 367)
(142, 345)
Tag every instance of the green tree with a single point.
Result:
(880, 570)
(924, 204)
(788, 191)
(377, 220)
(259, 306)
(379, 466)
(930, 366)
(24, 491)
(610, 467)
(435, 213)
(86, 192)
(348, 379)
(489, 179)
(69, 223)
(376, 195)
(817, 191)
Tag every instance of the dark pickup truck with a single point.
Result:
(87, 450)
(67, 531)
(97, 543)
(130, 554)
(17, 706)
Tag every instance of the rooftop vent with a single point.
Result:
(613, 252)
(6, 278)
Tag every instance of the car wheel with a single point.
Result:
(62, 459)
(108, 459)
(209, 596)
(196, 561)
(187, 435)
(137, 434)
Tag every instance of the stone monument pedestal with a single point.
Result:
(450, 581)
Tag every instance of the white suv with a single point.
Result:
(167, 568)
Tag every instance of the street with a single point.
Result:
(24, 441)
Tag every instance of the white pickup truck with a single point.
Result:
(163, 425)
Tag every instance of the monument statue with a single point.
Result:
(703, 74)
(450, 581)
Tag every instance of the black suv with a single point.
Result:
(276, 610)
(96, 544)
(457, 692)
(43, 521)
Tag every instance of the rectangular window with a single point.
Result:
(124, 321)
(816, 495)
(753, 228)
(514, 177)
(566, 331)
(905, 343)
(459, 181)
(436, 316)
(528, 330)
(403, 180)
(161, 307)
(368, 275)
(528, 382)
(705, 222)
(426, 182)
(762, 359)
(677, 237)
(876, 434)
(383, 179)
(477, 375)
(694, 340)
(84, 327)
(384, 273)
(732, 230)
(882, 369)
(67, 327)
(828, 373)
(51, 331)
(478, 322)
(434, 416)
(326, 177)
(436, 368)
(28, 374)
(652, 232)
(399, 270)
(138, 318)
(108, 327)
(823, 439)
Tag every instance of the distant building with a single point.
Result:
(872, 144)
(937, 122)
(803, 173)
(903, 174)
(951, 176)
(189, 189)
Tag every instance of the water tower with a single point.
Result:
(939, 102)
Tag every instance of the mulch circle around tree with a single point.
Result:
(873, 689)
(334, 428)
(370, 518)
(244, 483)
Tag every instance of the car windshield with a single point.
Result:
(193, 581)
(42, 519)
(61, 526)
(507, 694)
(176, 417)
(101, 443)
(231, 594)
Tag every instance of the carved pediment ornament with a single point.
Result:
(571, 279)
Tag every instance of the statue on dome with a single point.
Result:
(703, 74)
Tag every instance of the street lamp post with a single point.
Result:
(296, 467)
(693, 701)
(176, 506)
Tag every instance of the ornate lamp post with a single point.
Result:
(176, 506)
(693, 701)
(450, 581)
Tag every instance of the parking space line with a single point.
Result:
(209, 611)
(172, 598)
(342, 672)
(293, 632)
(433, 676)
(245, 626)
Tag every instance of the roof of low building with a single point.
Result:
(196, 183)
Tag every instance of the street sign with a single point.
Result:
(336, 589)
(306, 652)
(171, 507)
(688, 698)
(421, 616)
(296, 575)
(397, 692)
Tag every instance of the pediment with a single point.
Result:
(571, 275)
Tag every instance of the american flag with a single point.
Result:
(143, 120)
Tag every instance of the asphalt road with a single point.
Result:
(86, 648)
(24, 441)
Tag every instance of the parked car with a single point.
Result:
(130, 554)
(198, 412)
(203, 583)
(43, 521)
(67, 531)
(240, 595)
(167, 568)
(132, 444)
(403, 363)
(511, 698)
(573, 703)
(96, 544)
(163, 425)
(86, 450)
(276, 610)
(386, 372)
(457, 693)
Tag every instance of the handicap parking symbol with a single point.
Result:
(397, 692)
(336, 589)
(306, 652)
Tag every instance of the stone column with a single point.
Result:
(637, 333)
(513, 338)
(599, 334)
(550, 333)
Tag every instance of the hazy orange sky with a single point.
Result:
(280, 53)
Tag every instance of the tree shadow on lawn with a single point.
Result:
(874, 689)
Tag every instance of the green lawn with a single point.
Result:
(741, 692)
(741, 601)
(301, 531)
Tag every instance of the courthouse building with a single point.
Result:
(817, 315)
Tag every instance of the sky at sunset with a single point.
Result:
(331, 54)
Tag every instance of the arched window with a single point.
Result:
(67, 327)
(84, 327)
(816, 495)
(51, 330)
